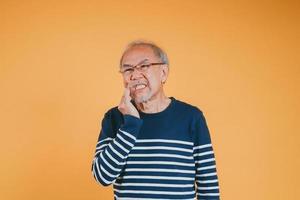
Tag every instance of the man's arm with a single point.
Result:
(111, 152)
(206, 173)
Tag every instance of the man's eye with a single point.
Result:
(128, 70)
(144, 66)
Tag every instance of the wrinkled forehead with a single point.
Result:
(137, 54)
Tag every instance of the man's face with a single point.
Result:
(145, 85)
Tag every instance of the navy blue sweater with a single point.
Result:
(164, 155)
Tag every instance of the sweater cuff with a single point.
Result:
(132, 124)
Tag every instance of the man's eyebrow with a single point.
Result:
(143, 61)
(128, 65)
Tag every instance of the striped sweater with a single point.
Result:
(164, 155)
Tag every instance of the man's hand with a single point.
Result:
(125, 106)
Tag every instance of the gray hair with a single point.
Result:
(156, 49)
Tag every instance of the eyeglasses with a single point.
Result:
(128, 70)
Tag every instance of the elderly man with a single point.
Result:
(152, 146)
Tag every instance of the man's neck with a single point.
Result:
(154, 105)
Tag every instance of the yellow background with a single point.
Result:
(238, 61)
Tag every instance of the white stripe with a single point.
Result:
(130, 198)
(208, 167)
(158, 177)
(158, 170)
(155, 185)
(161, 163)
(205, 160)
(98, 152)
(108, 138)
(208, 188)
(128, 143)
(153, 192)
(207, 174)
(107, 163)
(121, 147)
(202, 146)
(204, 153)
(127, 134)
(209, 194)
(106, 172)
(115, 161)
(120, 155)
(102, 178)
(208, 181)
(162, 147)
(103, 145)
(161, 155)
(164, 140)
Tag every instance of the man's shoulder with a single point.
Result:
(113, 113)
(112, 119)
(185, 106)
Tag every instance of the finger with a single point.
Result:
(127, 89)
(127, 95)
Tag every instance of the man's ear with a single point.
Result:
(164, 73)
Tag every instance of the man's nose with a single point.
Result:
(136, 74)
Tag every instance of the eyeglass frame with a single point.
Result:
(138, 67)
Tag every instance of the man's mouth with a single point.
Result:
(139, 87)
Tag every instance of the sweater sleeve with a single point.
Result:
(112, 148)
(206, 172)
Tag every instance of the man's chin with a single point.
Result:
(141, 99)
